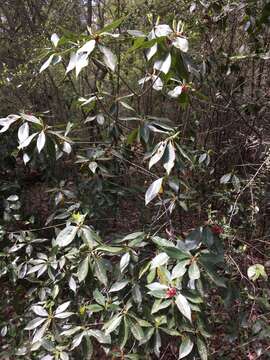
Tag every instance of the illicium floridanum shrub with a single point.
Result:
(135, 294)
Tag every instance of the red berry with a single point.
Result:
(217, 230)
(171, 292)
(184, 88)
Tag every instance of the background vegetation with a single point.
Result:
(134, 139)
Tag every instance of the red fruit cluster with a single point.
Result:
(217, 230)
(184, 88)
(171, 292)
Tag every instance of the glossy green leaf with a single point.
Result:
(180, 269)
(119, 285)
(112, 324)
(185, 348)
(170, 158)
(123, 333)
(94, 308)
(136, 330)
(153, 190)
(124, 262)
(202, 349)
(35, 323)
(225, 178)
(158, 153)
(100, 299)
(47, 63)
(159, 304)
(115, 24)
(207, 236)
(109, 58)
(66, 236)
(194, 271)
(183, 306)
(159, 260)
(101, 337)
(100, 271)
(83, 269)
(175, 253)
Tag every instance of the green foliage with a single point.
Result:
(82, 288)
(119, 294)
